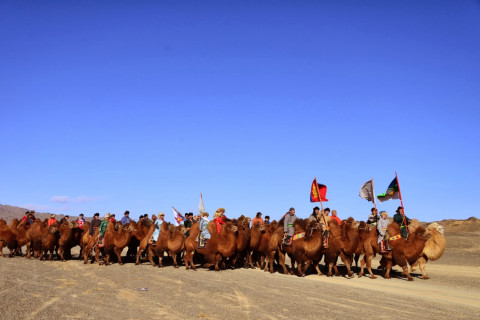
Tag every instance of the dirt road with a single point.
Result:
(71, 290)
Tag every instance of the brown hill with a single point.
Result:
(11, 212)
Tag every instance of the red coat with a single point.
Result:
(336, 218)
(219, 221)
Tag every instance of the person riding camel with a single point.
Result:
(80, 221)
(258, 218)
(288, 228)
(94, 224)
(52, 220)
(204, 233)
(103, 227)
(403, 221)
(158, 223)
(334, 217)
(126, 218)
(315, 214)
(324, 219)
(373, 217)
(219, 218)
(382, 232)
(188, 223)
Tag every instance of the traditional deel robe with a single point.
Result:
(156, 233)
(204, 228)
(219, 221)
(382, 228)
(398, 218)
(103, 227)
(288, 224)
(188, 226)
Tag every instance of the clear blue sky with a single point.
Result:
(113, 105)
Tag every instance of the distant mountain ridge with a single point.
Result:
(8, 213)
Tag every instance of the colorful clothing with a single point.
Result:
(103, 227)
(400, 219)
(337, 219)
(81, 223)
(51, 221)
(156, 233)
(219, 221)
(255, 220)
(204, 228)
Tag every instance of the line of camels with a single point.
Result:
(237, 245)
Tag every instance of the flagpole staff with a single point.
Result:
(374, 202)
(318, 192)
(321, 204)
(401, 202)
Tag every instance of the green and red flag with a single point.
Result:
(318, 192)
(391, 193)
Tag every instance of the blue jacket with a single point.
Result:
(204, 228)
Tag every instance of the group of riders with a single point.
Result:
(375, 219)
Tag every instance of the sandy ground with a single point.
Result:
(71, 290)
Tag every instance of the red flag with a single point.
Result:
(318, 192)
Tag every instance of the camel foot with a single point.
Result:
(373, 277)
(410, 279)
(329, 274)
(425, 277)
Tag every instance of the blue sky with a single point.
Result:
(115, 105)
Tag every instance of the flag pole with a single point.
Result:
(321, 204)
(401, 202)
(318, 192)
(374, 201)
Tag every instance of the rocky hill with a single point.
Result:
(11, 212)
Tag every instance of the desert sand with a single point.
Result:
(33, 289)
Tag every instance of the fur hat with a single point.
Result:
(96, 214)
(398, 209)
(219, 212)
(161, 214)
(107, 215)
(383, 213)
(205, 214)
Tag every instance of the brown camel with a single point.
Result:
(144, 236)
(368, 247)
(308, 249)
(276, 245)
(69, 237)
(171, 239)
(403, 251)
(434, 248)
(142, 230)
(219, 247)
(243, 241)
(8, 238)
(50, 240)
(116, 238)
(34, 237)
(343, 241)
(256, 233)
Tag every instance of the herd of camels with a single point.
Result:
(237, 245)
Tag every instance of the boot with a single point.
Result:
(325, 239)
(382, 246)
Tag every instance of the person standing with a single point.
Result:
(258, 218)
(126, 218)
(80, 221)
(373, 217)
(288, 225)
(95, 223)
(402, 221)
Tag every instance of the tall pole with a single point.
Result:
(401, 203)
(374, 201)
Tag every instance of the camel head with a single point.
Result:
(435, 227)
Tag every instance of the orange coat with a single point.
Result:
(336, 218)
(255, 220)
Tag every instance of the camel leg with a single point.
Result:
(421, 265)
(330, 265)
(347, 262)
(174, 257)
(281, 258)
(29, 255)
(60, 252)
(1, 249)
(118, 251)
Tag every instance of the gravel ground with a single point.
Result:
(33, 289)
